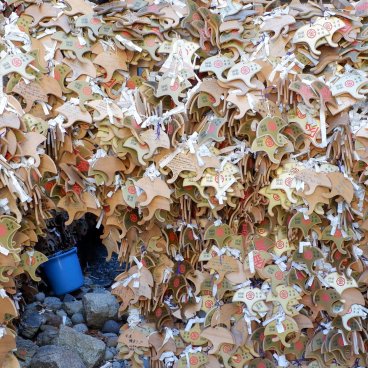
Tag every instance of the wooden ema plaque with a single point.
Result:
(222, 147)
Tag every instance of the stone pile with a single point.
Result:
(78, 331)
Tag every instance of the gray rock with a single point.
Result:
(73, 307)
(40, 297)
(87, 281)
(109, 355)
(30, 324)
(51, 356)
(111, 339)
(53, 303)
(111, 326)
(32, 308)
(79, 296)
(52, 319)
(90, 349)
(26, 349)
(48, 336)
(84, 290)
(81, 327)
(114, 351)
(99, 308)
(66, 321)
(68, 298)
(61, 313)
(60, 319)
(109, 334)
(99, 290)
(77, 318)
(47, 327)
(112, 342)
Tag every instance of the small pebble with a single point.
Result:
(73, 307)
(30, 324)
(53, 303)
(114, 351)
(88, 281)
(52, 319)
(81, 327)
(48, 336)
(33, 307)
(111, 339)
(111, 326)
(48, 328)
(99, 290)
(124, 364)
(40, 297)
(109, 355)
(68, 298)
(61, 313)
(66, 321)
(146, 362)
(77, 318)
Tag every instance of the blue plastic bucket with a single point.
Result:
(64, 272)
